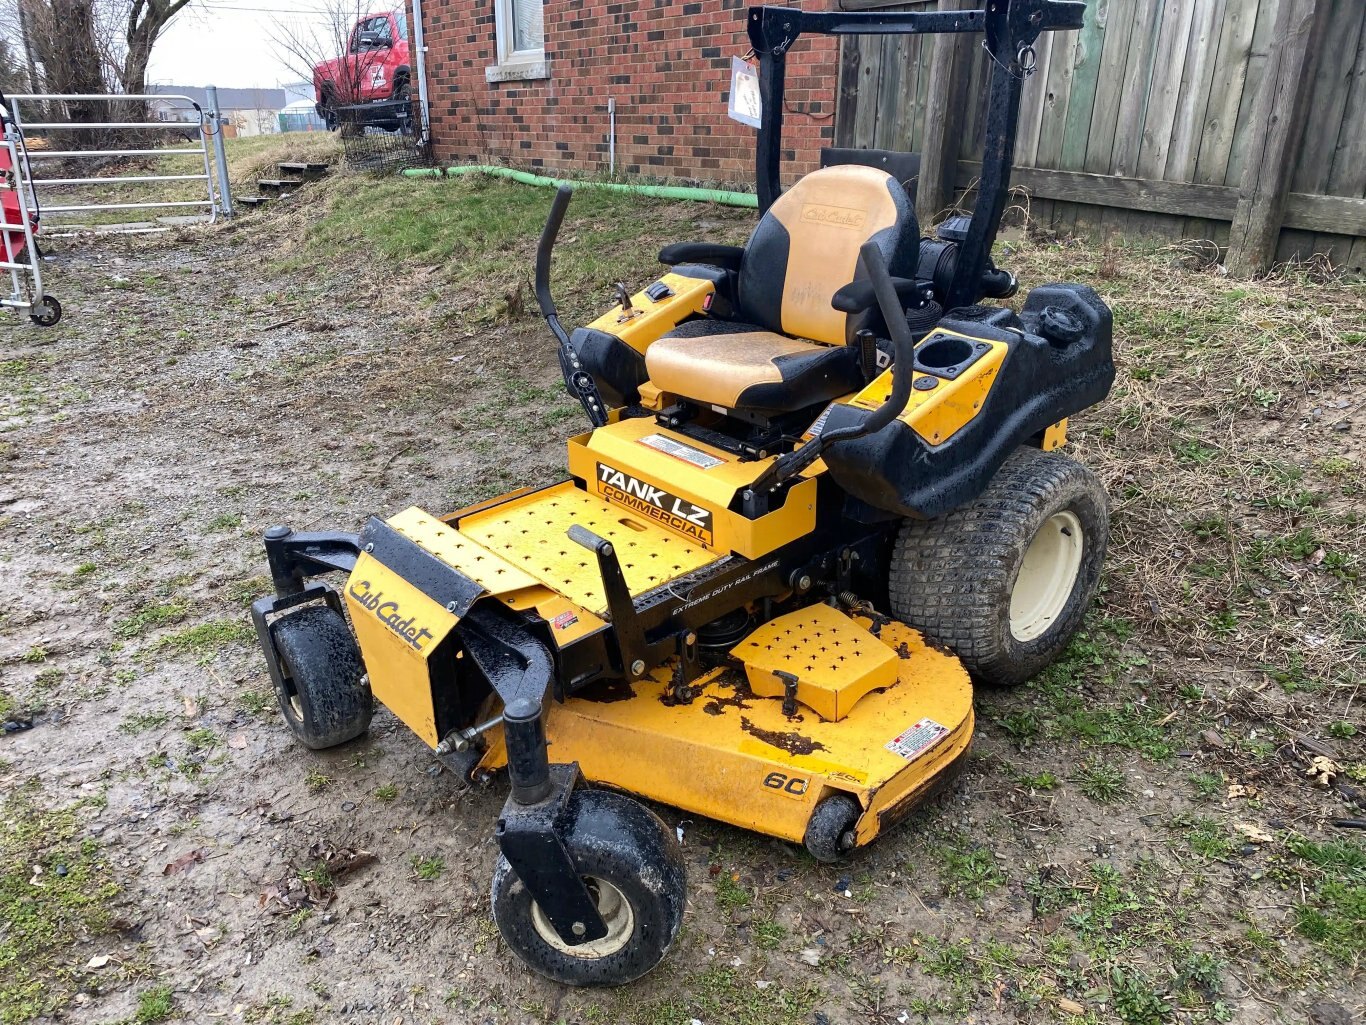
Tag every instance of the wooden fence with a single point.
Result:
(1241, 121)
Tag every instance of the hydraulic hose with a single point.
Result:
(741, 199)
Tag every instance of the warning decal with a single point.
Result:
(918, 739)
(678, 450)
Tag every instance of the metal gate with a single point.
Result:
(207, 127)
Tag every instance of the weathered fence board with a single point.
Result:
(1155, 92)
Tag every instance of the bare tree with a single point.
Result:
(328, 51)
(146, 20)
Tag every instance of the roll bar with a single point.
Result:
(1010, 27)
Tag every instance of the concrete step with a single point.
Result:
(306, 171)
(251, 202)
(279, 185)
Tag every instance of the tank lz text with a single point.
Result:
(656, 503)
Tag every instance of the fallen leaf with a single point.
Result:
(1254, 833)
(1070, 1006)
(1324, 770)
(183, 862)
(98, 961)
(191, 707)
(1318, 557)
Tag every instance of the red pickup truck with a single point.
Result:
(369, 84)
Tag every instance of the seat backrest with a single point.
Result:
(806, 248)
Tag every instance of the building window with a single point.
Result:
(521, 41)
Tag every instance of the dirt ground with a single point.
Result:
(1144, 834)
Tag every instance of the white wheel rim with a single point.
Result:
(1047, 576)
(616, 912)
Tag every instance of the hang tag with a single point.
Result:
(746, 106)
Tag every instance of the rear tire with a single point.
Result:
(326, 696)
(1006, 580)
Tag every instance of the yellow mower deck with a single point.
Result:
(734, 756)
(880, 716)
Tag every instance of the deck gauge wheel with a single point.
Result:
(830, 830)
(633, 868)
(325, 697)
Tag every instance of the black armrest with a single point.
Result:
(725, 257)
(858, 296)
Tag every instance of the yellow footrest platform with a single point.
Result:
(834, 658)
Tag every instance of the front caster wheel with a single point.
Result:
(631, 865)
(326, 696)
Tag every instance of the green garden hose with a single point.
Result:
(741, 199)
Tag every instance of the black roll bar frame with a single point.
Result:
(1010, 28)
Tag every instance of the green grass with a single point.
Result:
(386, 793)
(428, 869)
(482, 230)
(1210, 839)
(154, 1005)
(1101, 782)
(1333, 876)
(141, 722)
(768, 934)
(207, 638)
(150, 617)
(729, 893)
(225, 521)
(969, 869)
(719, 994)
(56, 890)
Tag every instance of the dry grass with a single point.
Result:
(1227, 446)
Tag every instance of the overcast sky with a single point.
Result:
(231, 42)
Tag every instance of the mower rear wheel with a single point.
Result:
(632, 865)
(830, 830)
(1006, 580)
(326, 697)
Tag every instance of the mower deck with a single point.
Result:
(734, 756)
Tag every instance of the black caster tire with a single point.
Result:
(1005, 581)
(46, 312)
(634, 867)
(830, 830)
(326, 695)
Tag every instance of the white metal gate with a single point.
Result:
(208, 127)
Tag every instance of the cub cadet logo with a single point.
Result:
(835, 216)
(388, 613)
(656, 503)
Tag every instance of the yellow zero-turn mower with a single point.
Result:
(822, 495)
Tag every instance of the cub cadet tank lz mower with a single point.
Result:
(821, 495)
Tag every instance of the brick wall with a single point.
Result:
(666, 64)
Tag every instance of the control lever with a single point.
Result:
(792, 463)
(580, 381)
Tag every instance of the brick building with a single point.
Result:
(527, 84)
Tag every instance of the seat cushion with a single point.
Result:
(806, 247)
(742, 366)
